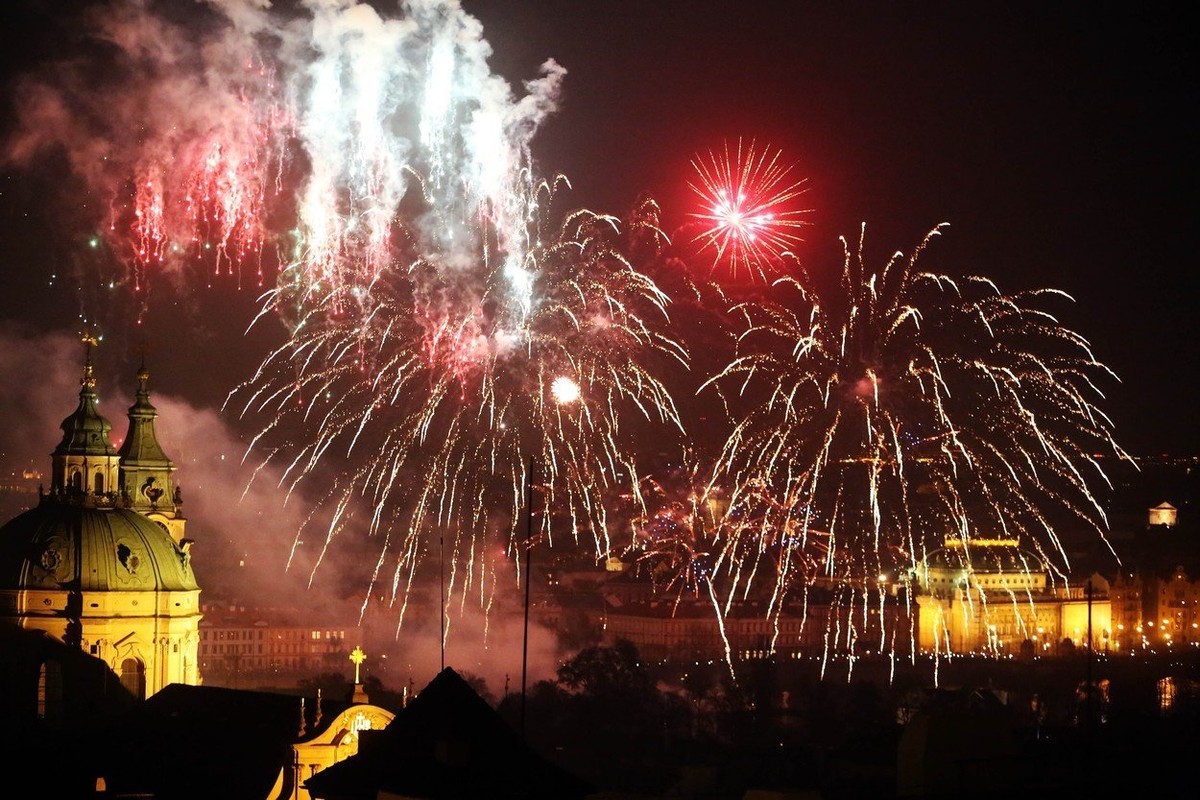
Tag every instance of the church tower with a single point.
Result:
(146, 474)
(85, 464)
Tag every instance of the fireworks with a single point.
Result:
(203, 180)
(442, 330)
(748, 216)
(443, 399)
(893, 413)
(450, 344)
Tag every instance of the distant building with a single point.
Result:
(1156, 594)
(692, 630)
(242, 646)
(991, 596)
(1164, 514)
(619, 604)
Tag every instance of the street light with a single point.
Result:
(565, 391)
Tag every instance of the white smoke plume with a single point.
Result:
(246, 134)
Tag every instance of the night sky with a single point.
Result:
(1055, 139)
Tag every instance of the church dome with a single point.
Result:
(991, 556)
(65, 544)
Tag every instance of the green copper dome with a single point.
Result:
(62, 545)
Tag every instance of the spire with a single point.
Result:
(85, 458)
(88, 381)
(85, 432)
(147, 472)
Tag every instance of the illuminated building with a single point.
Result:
(1164, 514)
(447, 743)
(993, 597)
(101, 564)
(1157, 595)
(252, 745)
(1154, 610)
(101, 630)
(268, 647)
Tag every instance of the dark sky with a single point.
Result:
(1055, 139)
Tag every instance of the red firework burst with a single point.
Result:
(748, 211)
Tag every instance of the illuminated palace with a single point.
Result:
(1006, 600)
(1002, 602)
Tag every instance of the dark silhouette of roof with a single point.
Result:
(206, 742)
(448, 744)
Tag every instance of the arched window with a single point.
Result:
(133, 677)
(98, 483)
(76, 480)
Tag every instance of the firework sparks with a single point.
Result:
(673, 525)
(387, 172)
(445, 396)
(202, 186)
(896, 412)
(443, 333)
(747, 215)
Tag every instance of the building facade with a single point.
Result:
(992, 597)
(242, 646)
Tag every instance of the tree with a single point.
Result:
(608, 673)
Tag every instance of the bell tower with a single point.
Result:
(147, 475)
(85, 464)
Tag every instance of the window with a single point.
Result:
(50, 690)
(133, 677)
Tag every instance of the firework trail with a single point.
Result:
(748, 218)
(235, 134)
(180, 145)
(396, 108)
(674, 523)
(449, 400)
(890, 414)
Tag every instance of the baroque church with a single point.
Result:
(101, 566)
(100, 689)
